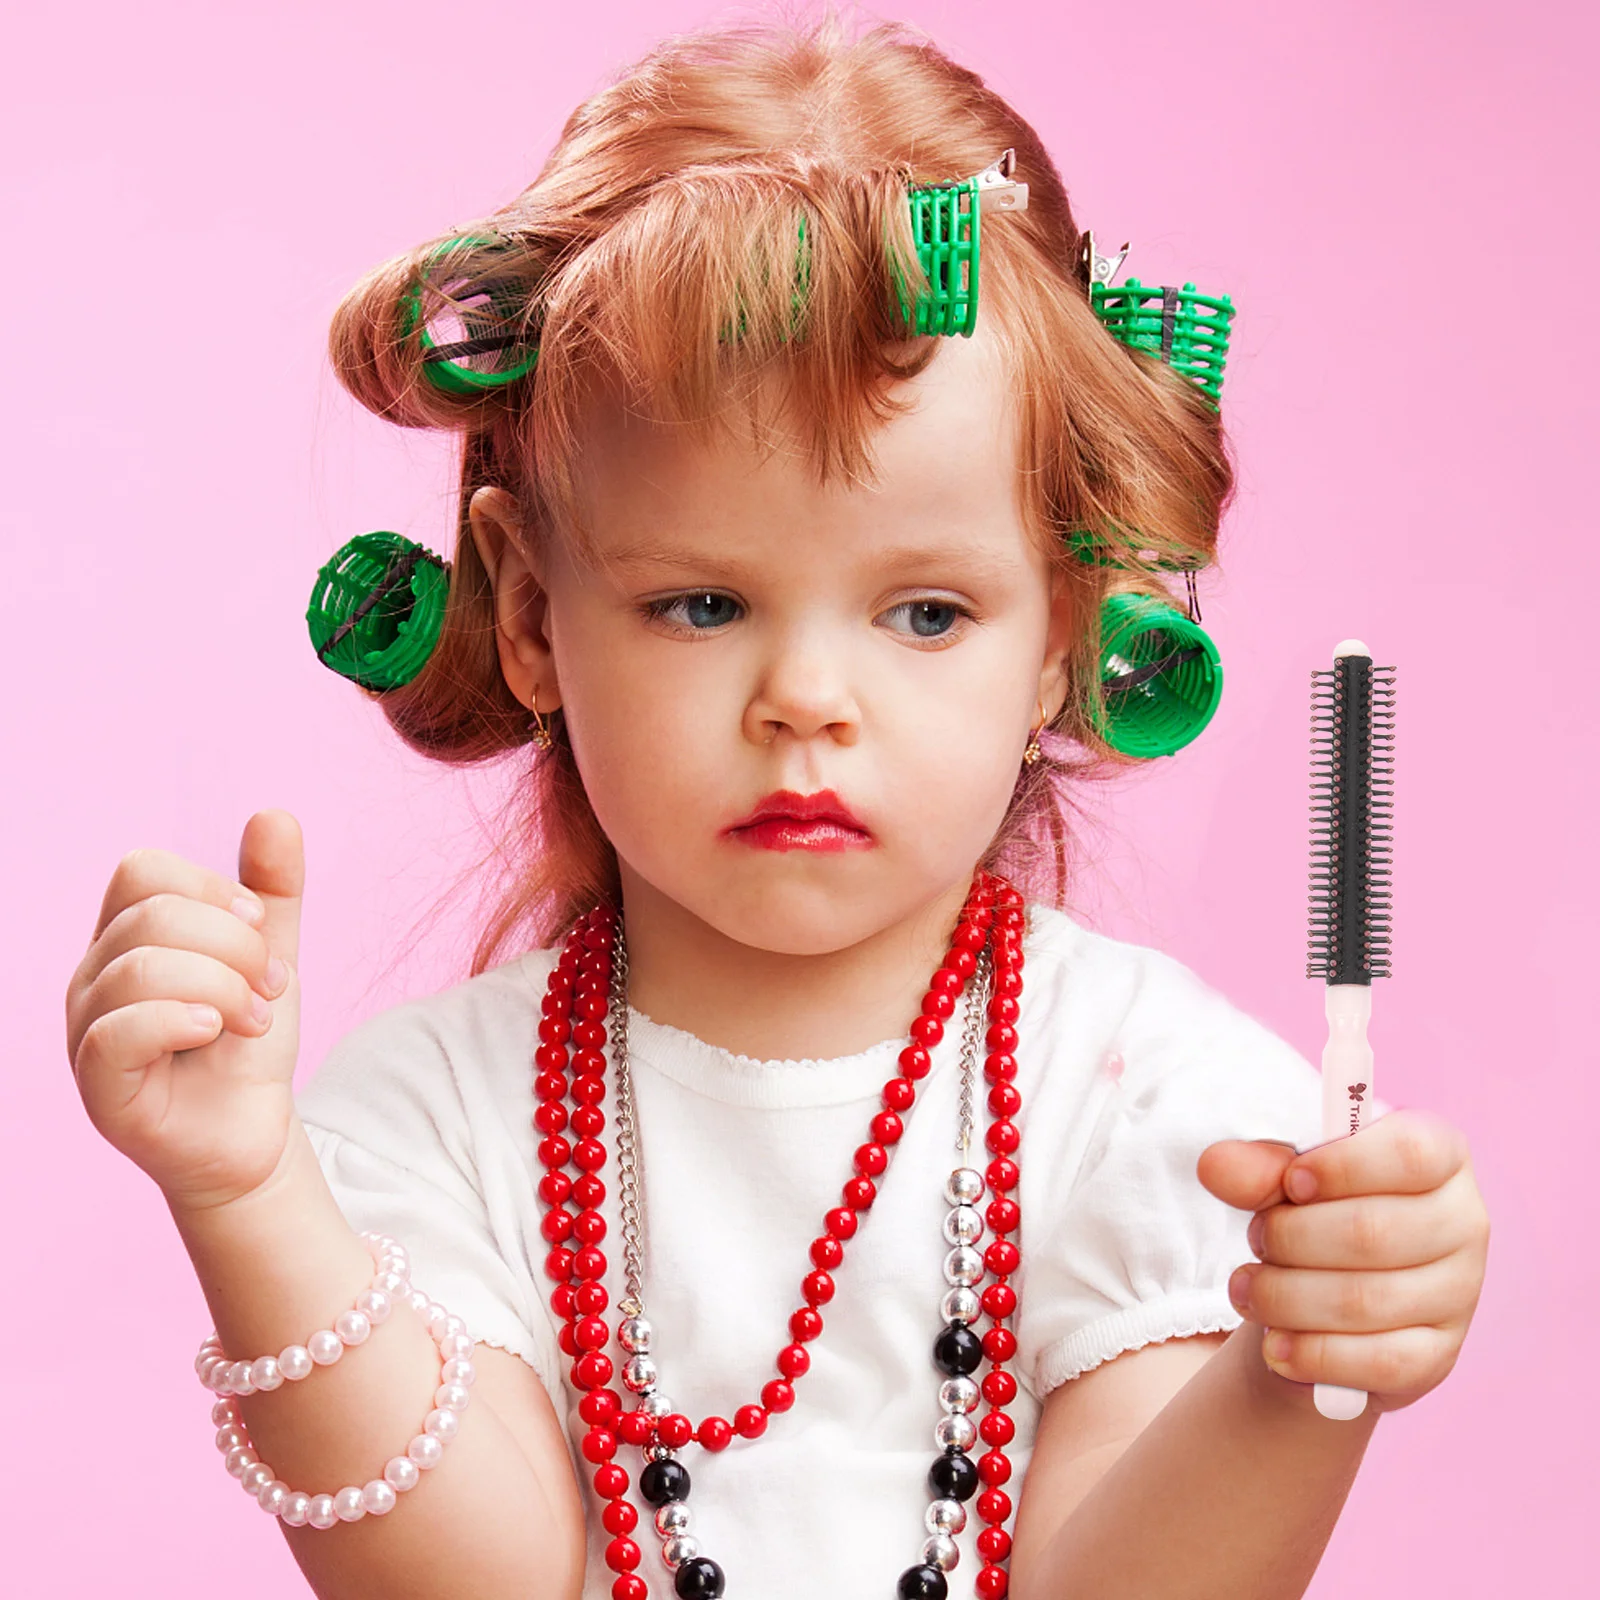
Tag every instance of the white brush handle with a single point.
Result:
(1346, 1095)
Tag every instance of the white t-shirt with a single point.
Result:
(1129, 1065)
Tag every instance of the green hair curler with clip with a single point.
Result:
(377, 609)
(1160, 677)
(487, 353)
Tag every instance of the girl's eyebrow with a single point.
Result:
(954, 560)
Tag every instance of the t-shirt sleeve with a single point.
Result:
(392, 1132)
(1137, 1250)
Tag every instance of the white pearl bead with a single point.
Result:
(295, 1363)
(416, 1299)
(376, 1304)
(352, 1327)
(225, 1413)
(455, 1346)
(320, 1513)
(229, 1436)
(451, 1397)
(274, 1496)
(214, 1370)
(239, 1379)
(325, 1347)
(265, 1373)
(402, 1473)
(296, 1509)
(378, 1497)
(348, 1505)
(393, 1284)
(425, 1450)
(255, 1478)
(435, 1317)
(454, 1324)
(458, 1371)
(442, 1425)
(238, 1458)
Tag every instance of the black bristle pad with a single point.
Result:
(1352, 799)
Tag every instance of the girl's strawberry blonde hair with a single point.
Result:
(668, 212)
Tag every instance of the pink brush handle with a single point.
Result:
(1346, 1097)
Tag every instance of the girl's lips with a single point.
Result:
(788, 821)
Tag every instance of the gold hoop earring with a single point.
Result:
(1033, 750)
(541, 731)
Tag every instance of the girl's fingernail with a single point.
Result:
(1275, 1347)
(260, 1010)
(1239, 1287)
(1301, 1184)
(277, 974)
(251, 911)
(1253, 1234)
(204, 1016)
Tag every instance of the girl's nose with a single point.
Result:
(803, 692)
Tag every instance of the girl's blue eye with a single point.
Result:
(927, 619)
(700, 611)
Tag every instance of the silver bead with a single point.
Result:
(678, 1549)
(964, 1186)
(963, 1265)
(945, 1516)
(961, 1304)
(963, 1225)
(658, 1452)
(955, 1429)
(940, 1551)
(639, 1374)
(634, 1335)
(656, 1404)
(958, 1395)
(672, 1518)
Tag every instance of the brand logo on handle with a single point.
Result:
(1357, 1094)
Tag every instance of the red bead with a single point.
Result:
(999, 1344)
(589, 1263)
(588, 1191)
(994, 1544)
(555, 1030)
(1002, 1008)
(560, 983)
(887, 1128)
(859, 1193)
(550, 1058)
(636, 1427)
(675, 1430)
(991, 1583)
(817, 1288)
(610, 1481)
(946, 981)
(841, 1223)
(915, 1061)
(1009, 914)
(927, 1031)
(999, 1301)
(554, 1187)
(962, 962)
(589, 1121)
(622, 1555)
(589, 1154)
(592, 1006)
(630, 1586)
(588, 1064)
(997, 1428)
(777, 1395)
(588, 1035)
(555, 1225)
(599, 1444)
(999, 1388)
(1001, 1036)
(1002, 1138)
(550, 1085)
(592, 1371)
(714, 1433)
(591, 1334)
(562, 1301)
(589, 1226)
(600, 1408)
(554, 1151)
(1003, 1215)
(619, 1517)
(993, 1468)
(1004, 1100)
(998, 1067)
(899, 1094)
(936, 1003)
(872, 1160)
(826, 1252)
(1002, 1258)
(597, 936)
(588, 1091)
(1002, 1174)
(793, 1360)
(591, 1298)
(566, 1340)
(805, 1325)
(750, 1422)
(969, 937)
(1008, 982)
(558, 1264)
(994, 1506)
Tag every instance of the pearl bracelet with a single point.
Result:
(298, 1508)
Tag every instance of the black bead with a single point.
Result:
(953, 1476)
(957, 1351)
(662, 1481)
(922, 1583)
(700, 1579)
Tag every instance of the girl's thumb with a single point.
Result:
(272, 862)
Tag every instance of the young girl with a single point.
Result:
(788, 1203)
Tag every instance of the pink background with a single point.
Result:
(1398, 202)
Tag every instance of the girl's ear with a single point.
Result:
(1059, 640)
(520, 602)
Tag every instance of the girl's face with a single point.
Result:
(799, 713)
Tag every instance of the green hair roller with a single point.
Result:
(486, 311)
(1160, 677)
(377, 609)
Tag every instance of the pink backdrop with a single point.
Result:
(1399, 204)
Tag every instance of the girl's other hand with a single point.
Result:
(201, 1099)
(1370, 1277)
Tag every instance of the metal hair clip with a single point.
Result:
(998, 190)
(1096, 268)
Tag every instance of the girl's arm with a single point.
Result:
(500, 1516)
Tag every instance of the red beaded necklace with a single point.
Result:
(585, 986)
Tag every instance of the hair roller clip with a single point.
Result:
(377, 609)
(1160, 677)
(471, 343)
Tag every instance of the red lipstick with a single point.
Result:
(788, 821)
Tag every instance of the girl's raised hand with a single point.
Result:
(202, 1100)
(1371, 1277)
